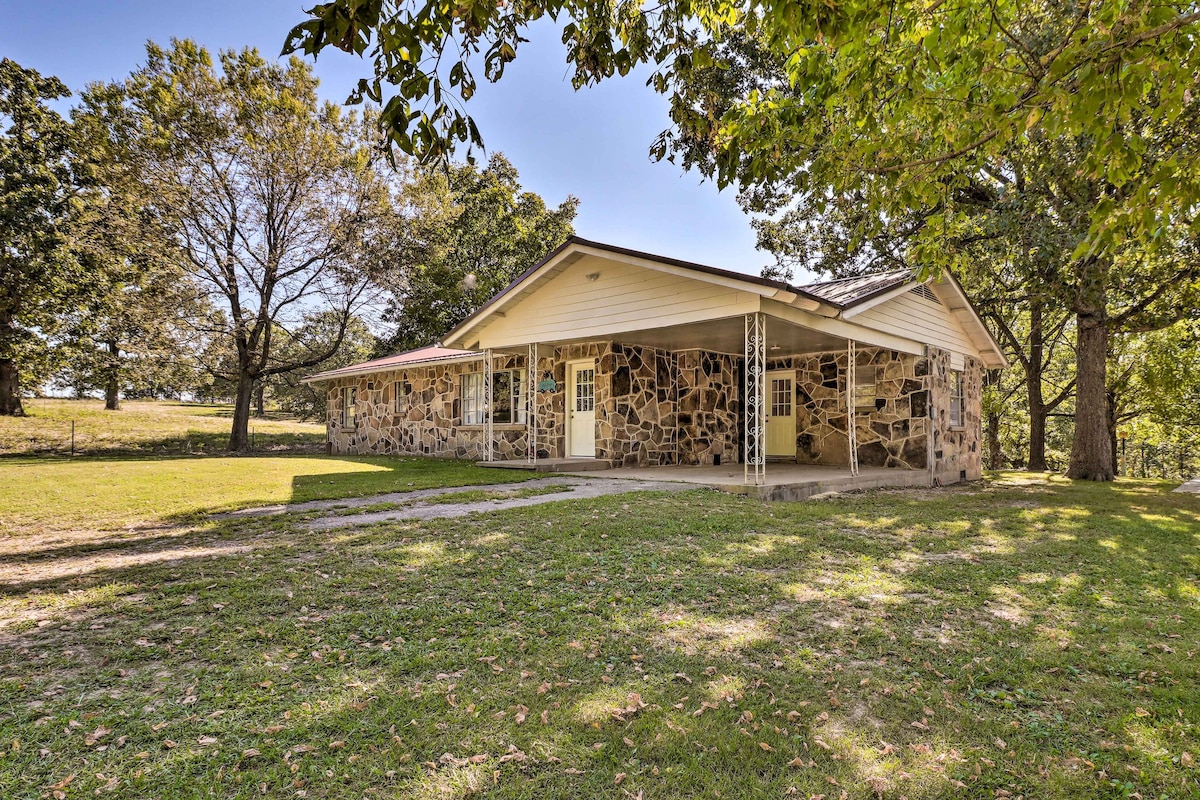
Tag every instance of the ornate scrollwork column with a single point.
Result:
(754, 413)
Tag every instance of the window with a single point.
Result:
(956, 398)
(585, 389)
(349, 406)
(865, 393)
(781, 397)
(508, 403)
(402, 391)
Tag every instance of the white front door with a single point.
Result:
(581, 409)
(781, 413)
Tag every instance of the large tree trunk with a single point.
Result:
(239, 437)
(10, 384)
(10, 390)
(1033, 386)
(112, 379)
(1091, 448)
(995, 457)
(259, 404)
(1037, 431)
(1111, 411)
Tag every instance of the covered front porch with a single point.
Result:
(756, 397)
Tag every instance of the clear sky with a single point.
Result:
(592, 143)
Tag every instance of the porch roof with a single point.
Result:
(422, 356)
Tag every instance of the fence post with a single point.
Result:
(72, 437)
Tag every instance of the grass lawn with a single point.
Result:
(103, 494)
(1027, 637)
(154, 426)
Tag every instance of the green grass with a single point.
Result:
(114, 493)
(1021, 638)
(145, 427)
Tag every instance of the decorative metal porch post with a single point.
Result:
(851, 402)
(531, 381)
(487, 405)
(755, 431)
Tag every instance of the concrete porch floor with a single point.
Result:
(783, 481)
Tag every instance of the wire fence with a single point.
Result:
(70, 438)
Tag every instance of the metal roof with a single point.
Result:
(420, 356)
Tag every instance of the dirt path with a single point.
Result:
(426, 504)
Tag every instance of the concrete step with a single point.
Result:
(550, 465)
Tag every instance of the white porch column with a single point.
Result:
(488, 432)
(851, 401)
(531, 384)
(754, 419)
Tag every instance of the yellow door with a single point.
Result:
(781, 413)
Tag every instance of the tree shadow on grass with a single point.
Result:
(677, 645)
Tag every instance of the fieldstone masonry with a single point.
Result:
(891, 430)
(660, 407)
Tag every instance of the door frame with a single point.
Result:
(568, 437)
(790, 374)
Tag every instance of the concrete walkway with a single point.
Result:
(1191, 487)
(416, 505)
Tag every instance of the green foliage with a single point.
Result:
(315, 336)
(38, 278)
(465, 234)
(270, 198)
(882, 100)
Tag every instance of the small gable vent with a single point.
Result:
(924, 292)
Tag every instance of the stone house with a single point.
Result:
(625, 359)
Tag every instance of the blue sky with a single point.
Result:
(592, 143)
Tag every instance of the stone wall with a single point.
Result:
(658, 407)
(890, 433)
(710, 409)
(957, 450)
(428, 424)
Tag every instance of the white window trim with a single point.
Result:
(957, 399)
(400, 402)
(473, 410)
(349, 406)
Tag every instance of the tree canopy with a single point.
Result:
(39, 280)
(460, 236)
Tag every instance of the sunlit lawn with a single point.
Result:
(37, 495)
(150, 427)
(1020, 638)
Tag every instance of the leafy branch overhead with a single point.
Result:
(886, 100)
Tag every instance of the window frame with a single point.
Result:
(350, 407)
(401, 399)
(957, 399)
(860, 385)
(472, 409)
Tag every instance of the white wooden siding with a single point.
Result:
(622, 298)
(917, 318)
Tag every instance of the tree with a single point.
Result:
(268, 195)
(132, 329)
(1015, 220)
(318, 330)
(463, 235)
(897, 107)
(38, 278)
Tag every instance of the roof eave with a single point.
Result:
(333, 375)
